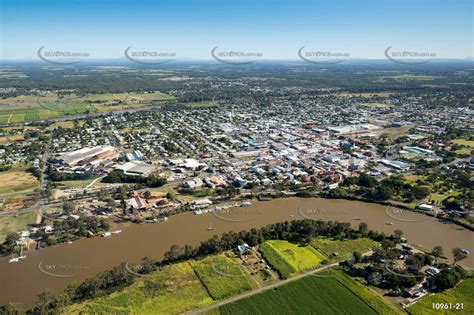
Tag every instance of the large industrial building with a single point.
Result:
(87, 156)
(136, 168)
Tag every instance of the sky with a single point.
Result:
(276, 29)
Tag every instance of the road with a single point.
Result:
(44, 182)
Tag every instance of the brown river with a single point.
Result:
(54, 267)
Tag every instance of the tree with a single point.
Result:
(69, 207)
(9, 244)
(357, 257)
(44, 300)
(363, 228)
(437, 251)
(420, 192)
(174, 253)
(398, 233)
(171, 195)
(147, 194)
(458, 255)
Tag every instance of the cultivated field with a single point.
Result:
(28, 108)
(172, 290)
(463, 293)
(288, 258)
(310, 295)
(369, 296)
(222, 276)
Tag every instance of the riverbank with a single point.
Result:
(87, 257)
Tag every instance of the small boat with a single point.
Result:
(17, 259)
(467, 252)
(210, 227)
(246, 204)
(69, 242)
(116, 232)
(357, 218)
(106, 234)
(14, 259)
(389, 223)
(292, 215)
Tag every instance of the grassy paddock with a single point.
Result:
(16, 180)
(343, 248)
(177, 290)
(288, 258)
(222, 276)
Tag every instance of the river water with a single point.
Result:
(55, 267)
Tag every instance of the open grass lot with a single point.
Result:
(310, 295)
(14, 223)
(376, 105)
(222, 276)
(464, 151)
(178, 290)
(366, 95)
(409, 77)
(16, 180)
(288, 258)
(464, 142)
(463, 293)
(28, 108)
(11, 139)
(343, 248)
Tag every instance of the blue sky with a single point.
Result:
(104, 28)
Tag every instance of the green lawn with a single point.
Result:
(178, 290)
(15, 223)
(463, 293)
(344, 248)
(222, 276)
(288, 258)
(310, 295)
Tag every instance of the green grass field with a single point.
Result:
(344, 248)
(178, 290)
(464, 142)
(28, 108)
(15, 223)
(222, 276)
(310, 295)
(288, 258)
(463, 293)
